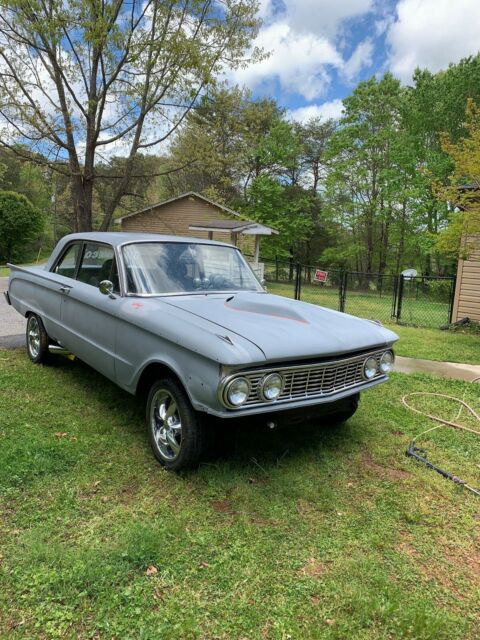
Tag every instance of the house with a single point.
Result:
(192, 214)
(466, 303)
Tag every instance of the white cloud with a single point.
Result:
(327, 110)
(299, 61)
(323, 17)
(360, 59)
(431, 34)
(302, 38)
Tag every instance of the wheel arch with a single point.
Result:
(154, 371)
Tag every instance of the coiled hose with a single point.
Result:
(420, 454)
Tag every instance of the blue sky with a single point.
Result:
(320, 49)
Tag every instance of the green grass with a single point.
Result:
(31, 260)
(421, 312)
(433, 344)
(462, 345)
(309, 533)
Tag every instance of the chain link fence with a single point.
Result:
(423, 301)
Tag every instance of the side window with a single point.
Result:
(98, 263)
(66, 265)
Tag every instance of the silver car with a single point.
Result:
(186, 323)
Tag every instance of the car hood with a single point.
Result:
(286, 329)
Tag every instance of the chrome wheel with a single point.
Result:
(33, 337)
(166, 424)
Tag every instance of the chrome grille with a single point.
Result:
(316, 380)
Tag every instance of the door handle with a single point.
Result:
(65, 289)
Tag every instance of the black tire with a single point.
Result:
(183, 427)
(37, 340)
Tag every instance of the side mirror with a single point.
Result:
(106, 287)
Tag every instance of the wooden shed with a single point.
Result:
(192, 214)
(466, 303)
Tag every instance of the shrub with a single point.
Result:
(20, 223)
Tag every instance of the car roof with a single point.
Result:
(117, 238)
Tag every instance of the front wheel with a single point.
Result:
(37, 340)
(176, 432)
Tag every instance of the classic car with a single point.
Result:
(186, 323)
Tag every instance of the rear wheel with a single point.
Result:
(176, 431)
(37, 340)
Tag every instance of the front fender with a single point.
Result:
(199, 377)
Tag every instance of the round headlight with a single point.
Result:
(370, 368)
(237, 391)
(271, 387)
(386, 361)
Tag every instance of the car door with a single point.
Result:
(89, 318)
(54, 285)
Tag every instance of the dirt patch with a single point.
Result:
(461, 566)
(386, 473)
(222, 506)
(265, 522)
(467, 559)
(314, 568)
(405, 545)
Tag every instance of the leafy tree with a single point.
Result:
(463, 188)
(210, 147)
(20, 223)
(220, 145)
(363, 166)
(285, 209)
(315, 136)
(78, 77)
(27, 177)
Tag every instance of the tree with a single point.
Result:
(363, 165)
(285, 208)
(211, 148)
(315, 136)
(80, 78)
(219, 145)
(20, 223)
(462, 190)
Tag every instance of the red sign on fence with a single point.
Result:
(320, 276)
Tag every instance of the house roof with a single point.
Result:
(194, 194)
(234, 226)
(184, 195)
(222, 225)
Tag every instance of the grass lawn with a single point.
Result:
(37, 258)
(432, 344)
(318, 532)
(421, 312)
(416, 342)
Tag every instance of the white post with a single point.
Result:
(257, 249)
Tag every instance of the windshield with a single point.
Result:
(183, 267)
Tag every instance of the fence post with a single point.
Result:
(342, 291)
(400, 297)
(452, 298)
(394, 297)
(298, 281)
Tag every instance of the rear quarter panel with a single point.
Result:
(33, 289)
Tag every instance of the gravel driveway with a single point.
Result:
(12, 325)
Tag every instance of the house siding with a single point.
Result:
(467, 293)
(174, 218)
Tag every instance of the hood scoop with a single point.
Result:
(263, 307)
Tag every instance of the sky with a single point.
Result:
(321, 49)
